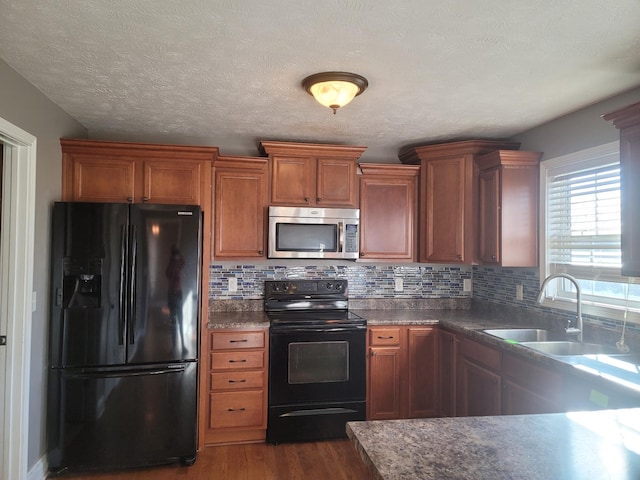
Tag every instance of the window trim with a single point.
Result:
(583, 158)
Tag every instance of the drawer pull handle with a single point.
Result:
(385, 338)
(236, 409)
(244, 340)
(238, 361)
(237, 381)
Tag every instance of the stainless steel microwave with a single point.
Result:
(302, 232)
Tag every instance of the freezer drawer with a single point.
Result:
(118, 418)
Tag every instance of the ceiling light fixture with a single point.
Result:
(335, 89)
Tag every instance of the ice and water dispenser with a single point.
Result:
(81, 287)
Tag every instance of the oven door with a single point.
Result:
(313, 365)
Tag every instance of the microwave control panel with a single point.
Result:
(351, 238)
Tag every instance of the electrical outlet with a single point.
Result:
(519, 292)
(399, 285)
(233, 284)
(466, 284)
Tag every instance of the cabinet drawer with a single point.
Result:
(237, 360)
(237, 380)
(384, 336)
(235, 340)
(236, 409)
(481, 354)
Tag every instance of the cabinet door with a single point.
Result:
(240, 208)
(172, 182)
(489, 221)
(385, 369)
(293, 180)
(479, 390)
(627, 120)
(447, 377)
(529, 388)
(443, 238)
(630, 199)
(387, 214)
(422, 369)
(107, 179)
(479, 379)
(336, 183)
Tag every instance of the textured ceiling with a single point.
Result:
(228, 72)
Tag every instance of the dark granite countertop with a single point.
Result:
(579, 445)
(237, 319)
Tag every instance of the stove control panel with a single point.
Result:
(282, 288)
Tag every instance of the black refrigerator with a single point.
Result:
(125, 290)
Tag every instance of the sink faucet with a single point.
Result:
(579, 330)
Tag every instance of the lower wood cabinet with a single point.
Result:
(236, 407)
(491, 382)
(479, 382)
(447, 358)
(402, 372)
(529, 388)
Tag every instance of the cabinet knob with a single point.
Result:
(130, 199)
(459, 256)
(260, 252)
(307, 199)
(493, 257)
(319, 199)
(362, 254)
(373, 354)
(145, 199)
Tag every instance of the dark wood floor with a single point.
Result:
(330, 460)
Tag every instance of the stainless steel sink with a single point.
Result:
(524, 334)
(569, 348)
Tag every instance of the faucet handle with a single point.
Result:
(572, 331)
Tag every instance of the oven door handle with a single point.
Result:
(351, 328)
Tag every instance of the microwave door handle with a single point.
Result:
(340, 236)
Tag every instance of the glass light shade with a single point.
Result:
(334, 94)
(335, 89)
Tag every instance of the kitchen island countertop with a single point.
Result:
(579, 445)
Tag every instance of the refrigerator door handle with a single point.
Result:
(123, 285)
(133, 246)
(127, 373)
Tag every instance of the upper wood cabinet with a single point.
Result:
(305, 174)
(627, 120)
(448, 198)
(388, 211)
(97, 171)
(240, 205)
(508, 208)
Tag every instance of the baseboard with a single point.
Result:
(39, 470)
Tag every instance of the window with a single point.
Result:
(581, 233)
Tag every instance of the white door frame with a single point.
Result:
(16, 277)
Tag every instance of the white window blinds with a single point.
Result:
(584, 222)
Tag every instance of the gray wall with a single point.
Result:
(27, 108)
(578, 130)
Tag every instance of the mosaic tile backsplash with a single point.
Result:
(498, 285)
(419, 281)
(365, 280)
